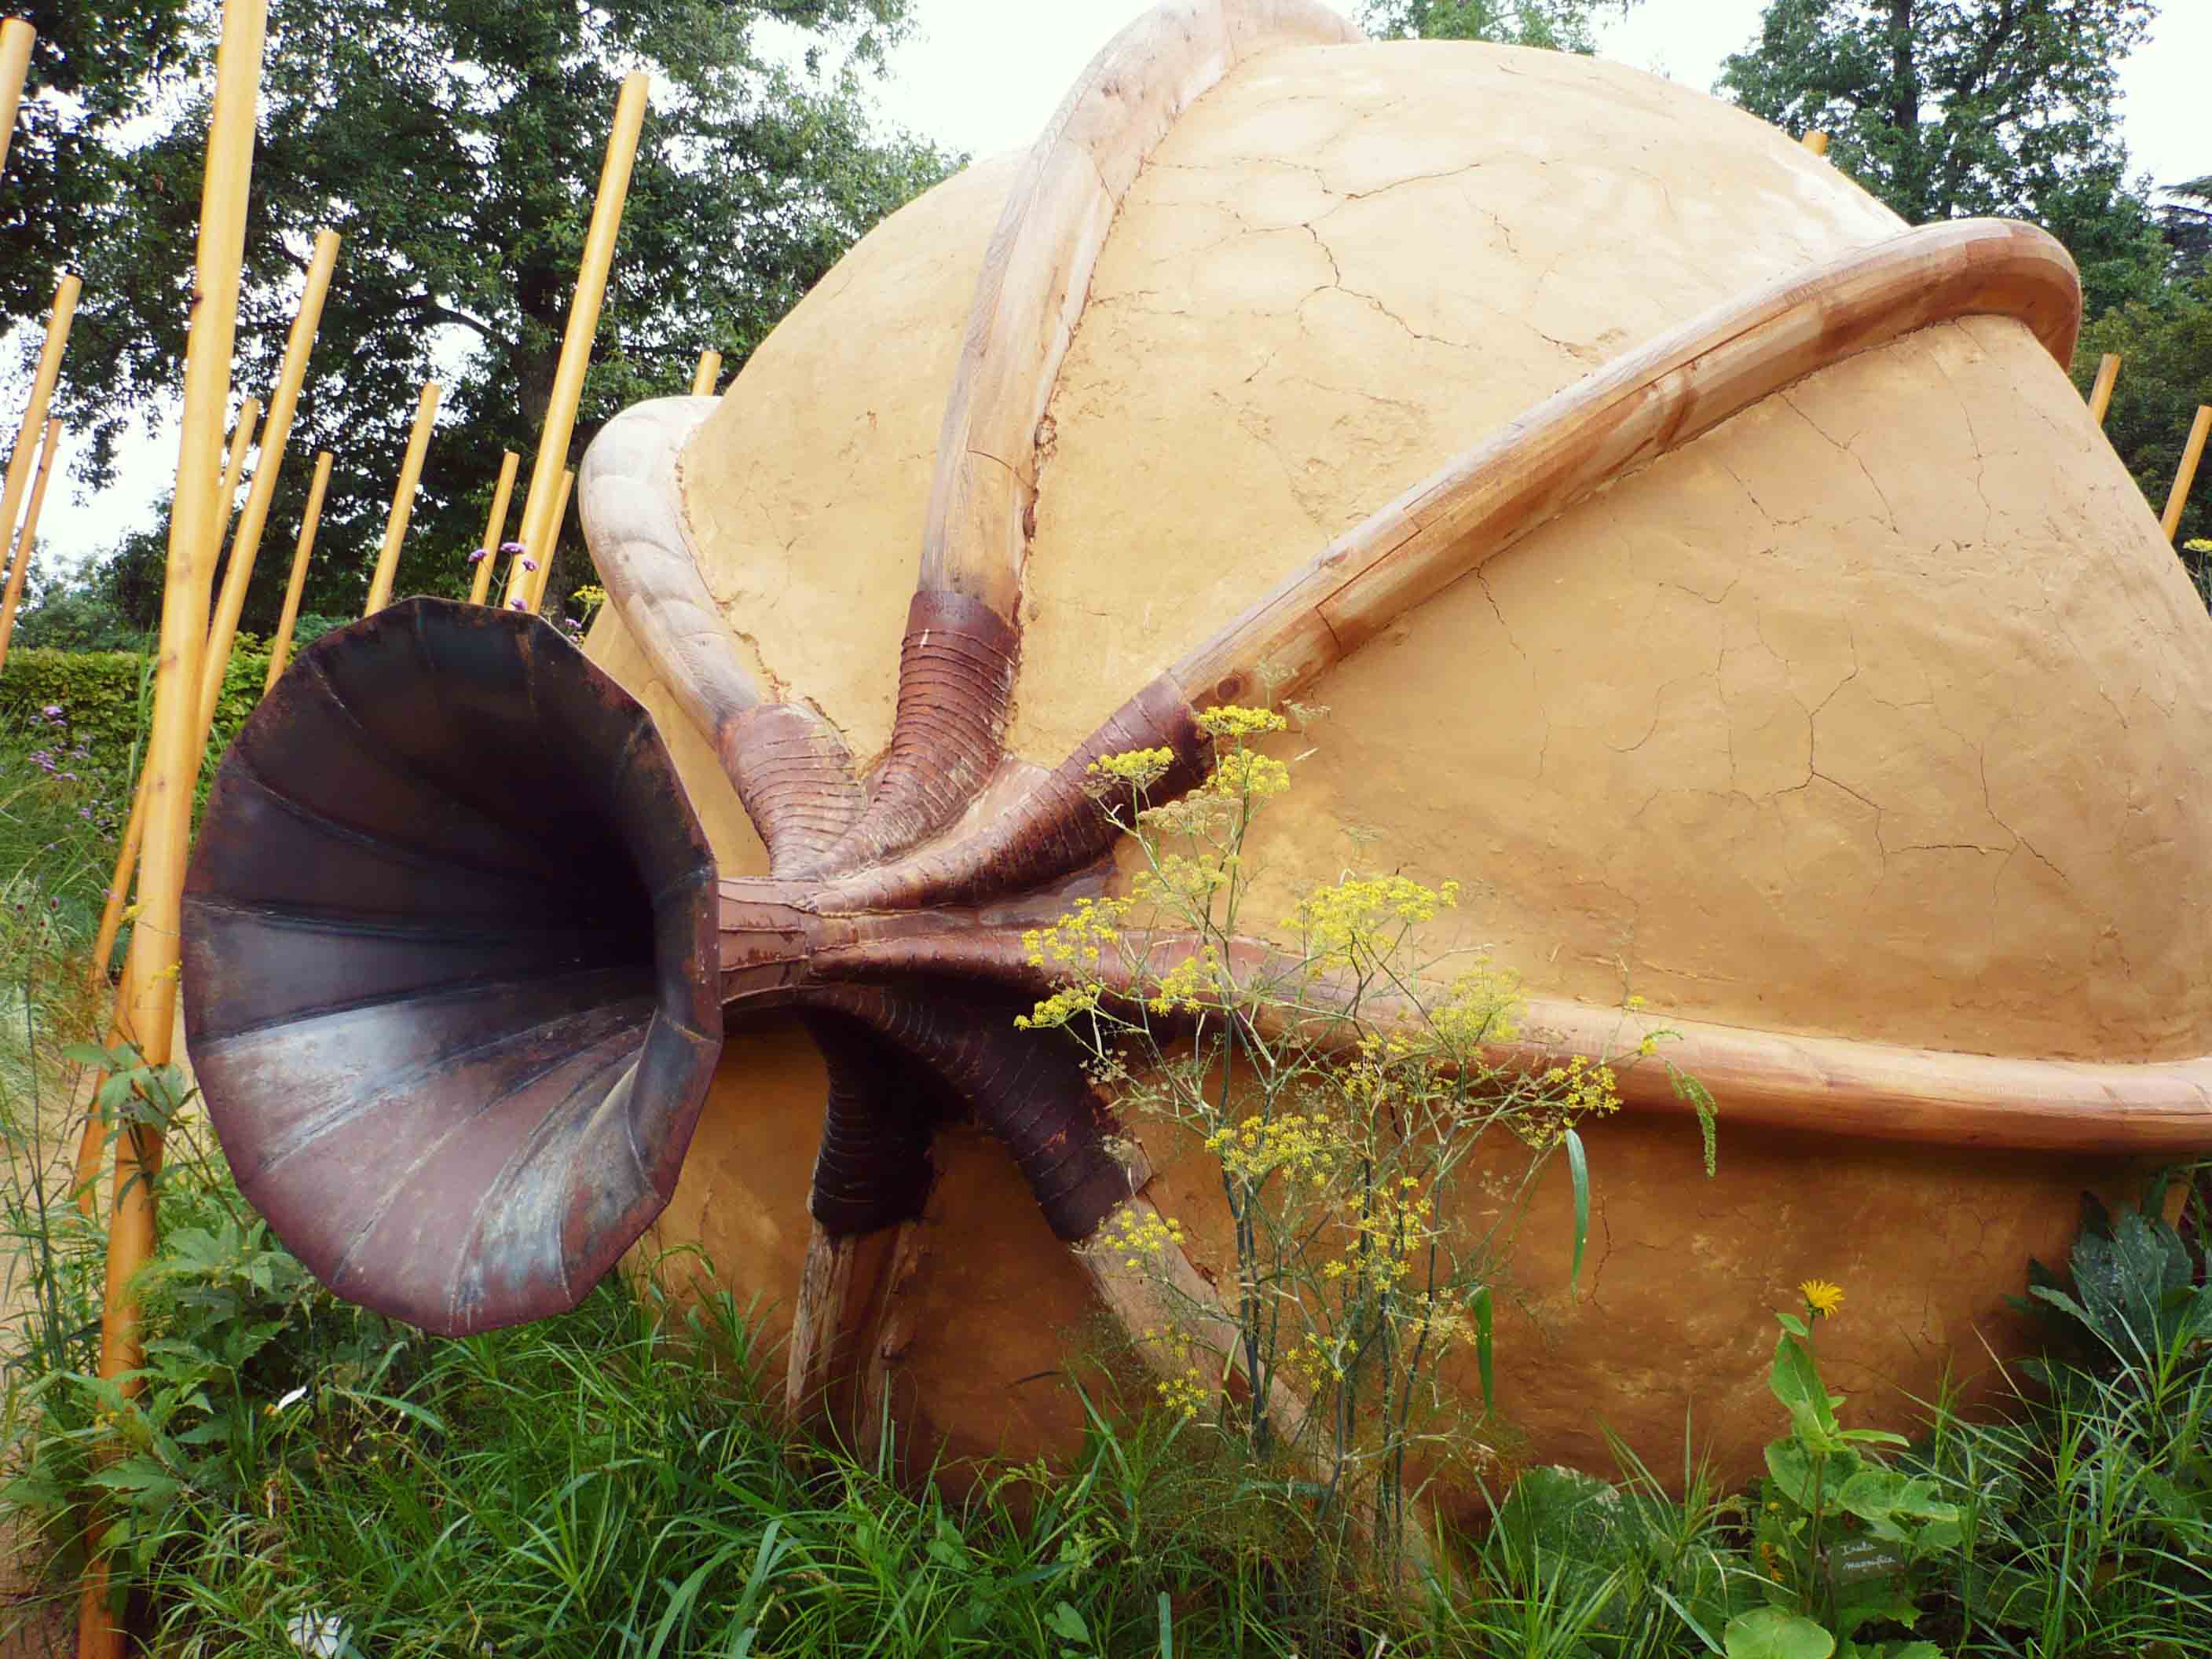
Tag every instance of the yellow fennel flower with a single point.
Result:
(1821, 1296)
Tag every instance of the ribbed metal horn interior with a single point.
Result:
(450, 975)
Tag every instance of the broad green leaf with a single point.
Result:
(1578, 1172)
(1067, 1624)
(1771, 1633)
(1485, 1354)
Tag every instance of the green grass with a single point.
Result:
(614, 1482)
(617, 1482)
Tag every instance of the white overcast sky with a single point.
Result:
(982, 75)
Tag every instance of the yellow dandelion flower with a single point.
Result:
(1821, 1298)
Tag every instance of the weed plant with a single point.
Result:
(1345, 1089)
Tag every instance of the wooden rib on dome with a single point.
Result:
(1778, 1080)
(963, 631)
(1639, 407)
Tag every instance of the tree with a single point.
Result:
(1950, 107)
(455, 145)
(94, 64)
(1557, 25)
(2166, 355)
(2187, 220)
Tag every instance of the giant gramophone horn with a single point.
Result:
(448, 965)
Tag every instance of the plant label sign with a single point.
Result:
(1860, 1559)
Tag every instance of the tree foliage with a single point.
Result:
(94, 64)
(455, 145)
(1557, 25)
(1945, 108)
(2165, 344)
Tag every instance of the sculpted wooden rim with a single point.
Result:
(1617, 419)
(1824, 1085)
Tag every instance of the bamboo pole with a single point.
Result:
(280, 649)
(2100, 393)
(16, 37)
(126, 853)
(495, 528)
(2192, 452)
(1816, 141)
(193, 519)
(583, 327)
(118, 888)
(42, 393)
(709, 371)
(543, 573)
(245, 545)
(27, 542)
(403, 500)
(233, 466)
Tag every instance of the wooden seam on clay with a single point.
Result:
(1617, 419)
(1825, 1084)
(963, 631)
(789, 767)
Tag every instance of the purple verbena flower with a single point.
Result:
(511, 547)
(480, 553)
(530, 564)
(516, 604)
(53, 711)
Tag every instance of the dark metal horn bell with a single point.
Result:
(450, 978)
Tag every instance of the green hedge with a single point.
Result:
(104, 697)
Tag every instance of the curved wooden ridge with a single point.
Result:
(1820, 1085)
(956, 666)
(788, 765)
(1644, 404)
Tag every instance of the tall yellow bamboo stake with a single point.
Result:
(403, 500)
(118, 888)
(710, 370)
(2192, 452)
(280, 649)
(27, 541)
(543, 573)
(245, 545)
(126, 864)
(126, 852)
(2100, 392)
(1815, 141)
(193, 521)
(15, 39)
(34, 412)
(233, 467)
(576, 344)
(495, 527)
(215, 658)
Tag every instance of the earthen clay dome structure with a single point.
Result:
(1721, 578)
